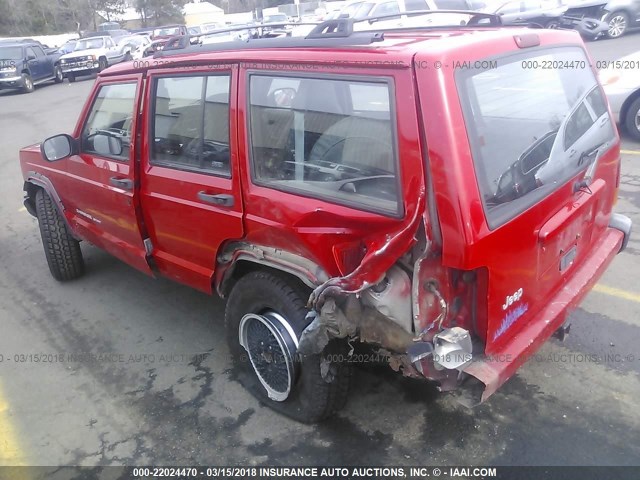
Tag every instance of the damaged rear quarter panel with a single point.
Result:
(312, 227)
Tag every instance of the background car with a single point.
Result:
(621, 84)
(24, 65)
(67, 47)
(130, 44)
(620, 16)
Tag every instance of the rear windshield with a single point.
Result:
(534, 122)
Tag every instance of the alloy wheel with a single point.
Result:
(617, 25)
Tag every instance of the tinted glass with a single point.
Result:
(325, 138)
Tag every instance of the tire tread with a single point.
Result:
(62, 251)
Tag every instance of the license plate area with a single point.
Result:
(568, 258)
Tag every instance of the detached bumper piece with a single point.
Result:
(588, 27)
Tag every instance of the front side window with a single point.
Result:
(191, 123)
(326, 138)
(532, 128)
(107, 131)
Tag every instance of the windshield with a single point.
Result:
(357, 10)
(532, 128)
(89, 43)
(162, 32)
(10, 53)
(275, 18)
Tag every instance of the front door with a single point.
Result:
(190, 186)
(101, 193)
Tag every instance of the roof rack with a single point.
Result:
(330, 33)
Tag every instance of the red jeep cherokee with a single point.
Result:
(444, 195)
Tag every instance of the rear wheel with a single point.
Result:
(618, 23)
(58, 76)
(27, 83)
(265, 316)
(63, 253)
(632, 119)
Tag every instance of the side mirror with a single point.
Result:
(107, 145)
(57, 147)
(31, 57)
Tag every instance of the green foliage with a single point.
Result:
(160, 12)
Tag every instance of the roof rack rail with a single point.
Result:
(475, 20)
(330, 33)
(182, 44)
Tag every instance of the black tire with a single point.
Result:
(618, 24)
(632, 119)
(62, 251)
(102, 64)
(128, 57)
(552, 24)
(27, 83)
(71, 77)
(58, 75)
(311, 398)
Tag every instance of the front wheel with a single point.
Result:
(632, 119)
(27, 83)
(71, 77)
(58, 76)
(62, 251)
(102, 64)
(265, 316)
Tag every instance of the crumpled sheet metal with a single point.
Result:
(382, 253)
(352, 320)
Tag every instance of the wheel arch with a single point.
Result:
(36, 181)
(241, 258)
(627, 104)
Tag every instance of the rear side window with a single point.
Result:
(532, 128)
(191, 123)
(326, 138)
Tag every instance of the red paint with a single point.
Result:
(188, 235)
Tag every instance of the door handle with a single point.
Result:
(123, 183)
(222, 199)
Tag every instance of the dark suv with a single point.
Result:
(385, 187)
(24, 65)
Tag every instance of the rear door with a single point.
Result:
(191, 193)
(100, 189)
(534, 134)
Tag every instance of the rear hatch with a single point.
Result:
(545, 154)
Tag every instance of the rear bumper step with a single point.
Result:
(624, 224)
(496, 368)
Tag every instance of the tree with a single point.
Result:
(160, 12)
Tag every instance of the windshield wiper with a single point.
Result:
(592, 156)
